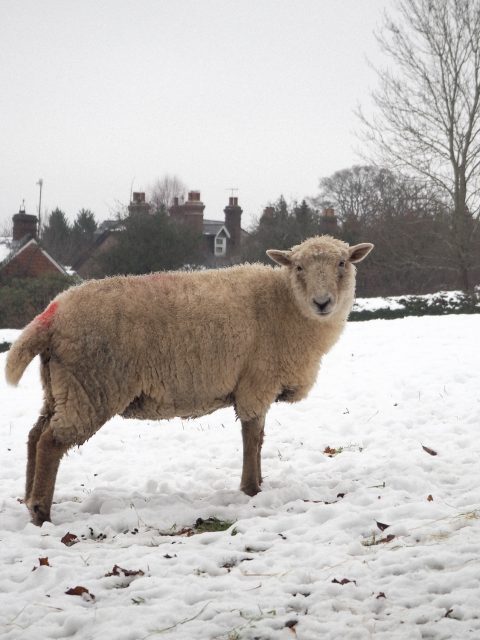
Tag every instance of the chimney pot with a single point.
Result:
(24, 225)
(138, 205)
(138, 197)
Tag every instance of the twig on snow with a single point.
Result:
(173, 626)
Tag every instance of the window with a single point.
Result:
(220, 246)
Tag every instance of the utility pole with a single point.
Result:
(40, 184)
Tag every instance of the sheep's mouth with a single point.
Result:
(323, 308)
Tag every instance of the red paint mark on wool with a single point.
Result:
(46, 317)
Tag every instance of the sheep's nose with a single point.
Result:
(322, 303)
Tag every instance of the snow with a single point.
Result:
(8, 335)
(5, 247)
(398, 302)
(373, 304)
(387, 389)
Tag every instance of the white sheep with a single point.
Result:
(183, 344)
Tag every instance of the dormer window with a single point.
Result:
(220, 246)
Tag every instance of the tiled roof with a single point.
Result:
(212, 227)
(29, 245)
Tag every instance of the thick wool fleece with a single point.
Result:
(177, 344)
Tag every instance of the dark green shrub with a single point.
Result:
(21, 299)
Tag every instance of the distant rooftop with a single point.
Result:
(212, 227)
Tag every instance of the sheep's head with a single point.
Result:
(322, 274)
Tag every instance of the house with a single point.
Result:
(221, 239)
(24, 256)
(88, 265)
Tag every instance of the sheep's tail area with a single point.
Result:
(34, 339)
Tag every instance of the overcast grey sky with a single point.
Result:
(254, 94)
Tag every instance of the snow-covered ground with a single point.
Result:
(398, 302)
(305, 558)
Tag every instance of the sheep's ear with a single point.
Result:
(359, 251)
(280, 257)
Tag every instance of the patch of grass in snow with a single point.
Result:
(209, 525)
(373, 540)
(334, 451)
(212, 524)
(471, 515)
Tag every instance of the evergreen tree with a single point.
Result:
(83, 231)
(57, 236)
(280, 227)
(151, 242)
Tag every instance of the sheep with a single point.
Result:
(182, 344)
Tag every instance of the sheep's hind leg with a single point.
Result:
(252, 434)
(47, 460)
(33, 438)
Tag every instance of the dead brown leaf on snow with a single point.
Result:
(118, 571)
(80, 591)
(430, 451)
(42, 562)
(69, 539)
(344, 581)
(330, 452)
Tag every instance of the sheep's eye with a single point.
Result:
(299, 268)
(341, 264)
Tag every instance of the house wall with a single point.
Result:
(30, 263)
(90, 268)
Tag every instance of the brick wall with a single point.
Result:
(29, 263)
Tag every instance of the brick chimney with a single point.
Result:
(233, 215)
(329, 220)
(176, 210)
(193, 212)
(138, 204)
(24, 225)
(267, 215)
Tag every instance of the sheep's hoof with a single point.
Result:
(39, 514)
(251, 489)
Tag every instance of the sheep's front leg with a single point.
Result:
(47, 460)
(252, 434)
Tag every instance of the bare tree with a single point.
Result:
(427, 118)
(405, 219)
(164, 190)
(6, 229)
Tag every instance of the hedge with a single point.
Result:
(21, 299)
(438, 304)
